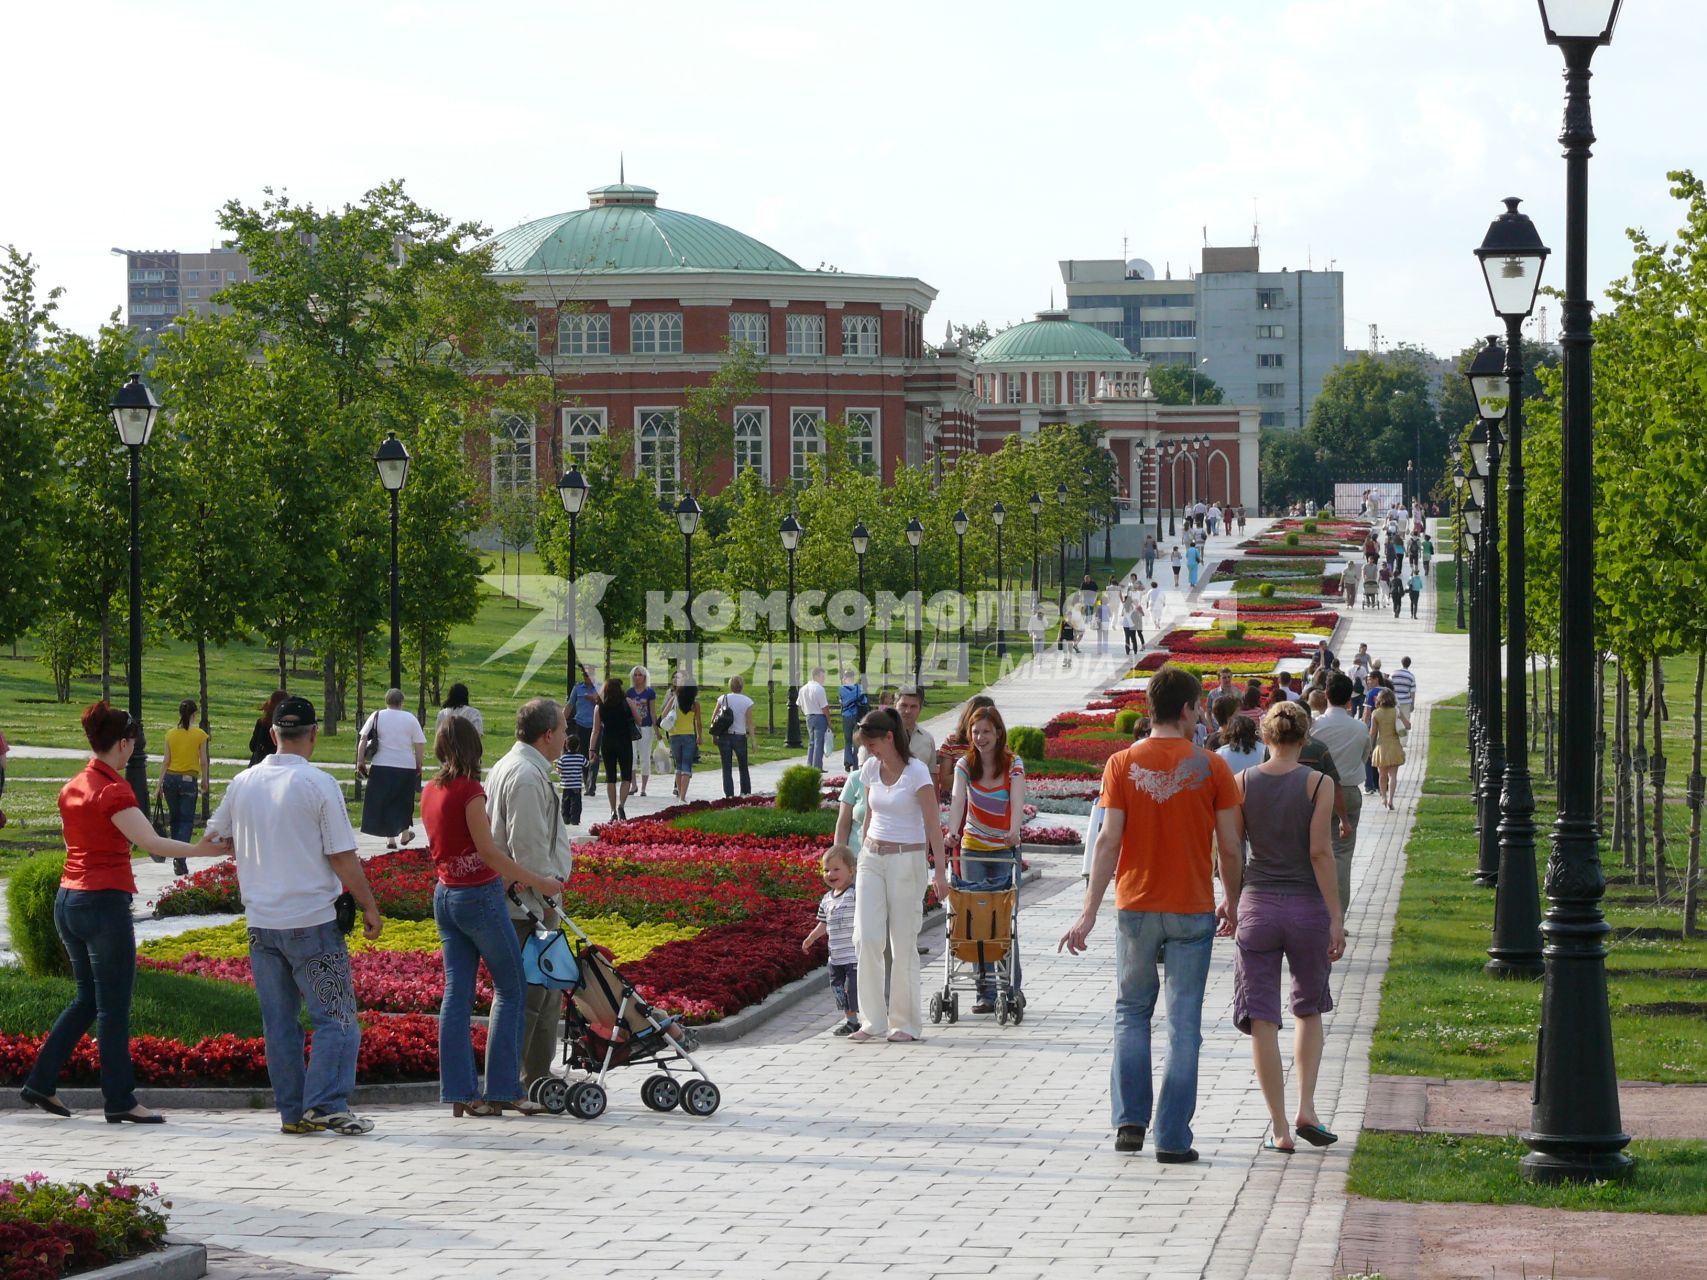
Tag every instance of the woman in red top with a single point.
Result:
(474, 925)
(92, 913)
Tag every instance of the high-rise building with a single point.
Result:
(163, 285)
(1265, 337)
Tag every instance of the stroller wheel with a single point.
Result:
(587, 1100)
(1001, 1011)
(700, 1098)
(1019, 1010)
(660, 1093)
(936, 1008)
(954, 1008)
(552, 1093)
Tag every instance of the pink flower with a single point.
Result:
(82, 1202)
(34, 1179)
(124, 1193)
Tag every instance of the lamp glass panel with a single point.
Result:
(1512, 283)
(1492, 391)
(1578, 19)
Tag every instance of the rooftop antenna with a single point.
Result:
(1206, 236)
(621, 168)
(1255, 238)
(1123, 249)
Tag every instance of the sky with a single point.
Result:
(971, 146)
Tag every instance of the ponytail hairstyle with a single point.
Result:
(186, 712)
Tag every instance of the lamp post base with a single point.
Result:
(1557, 1160)
(1516, 965)
(793, 742)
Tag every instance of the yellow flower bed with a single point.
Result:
(629, 942)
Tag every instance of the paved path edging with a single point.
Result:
(176, 1260)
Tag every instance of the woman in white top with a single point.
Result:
(902, 822)
(393, 770)
(732, 743)
(456, 704)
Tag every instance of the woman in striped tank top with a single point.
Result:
(988, 811)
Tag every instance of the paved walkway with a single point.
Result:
(981, 1151)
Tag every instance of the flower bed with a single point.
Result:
(50, 1229)
(1051, 835)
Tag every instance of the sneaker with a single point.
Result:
(1129, 1138)
(298, 1127)
(844, 1028)
(180, 867)
(339, 1122)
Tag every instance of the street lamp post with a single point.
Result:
(1484, 484)
(915, 534)
(1575, 1131)
(572, 490)
(1086, 547)
(1458, 533)
(1321, 476)
(861, 541)
(1512, 258)
(1170, 453)
(1035, 502)
(687, 520)
(790, 543)
(1061, 501)
(134, 410)
(392, 462)
(998, 514)
(1477, 695)
(1153, 456)
(961, 523)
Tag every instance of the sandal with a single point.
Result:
(520, 1106)
(1315, 1135)
(1271, 1145)
(461, 1109)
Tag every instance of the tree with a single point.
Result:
(969, 338)
(705, 426)
(515, 513)
(26, 320)
(1375, 415)
(1175, 384)
(1287, 461)
(438, 568)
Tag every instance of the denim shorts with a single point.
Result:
(1272, 925)
(683, 749)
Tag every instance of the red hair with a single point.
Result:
(106, 726)
(975, 766)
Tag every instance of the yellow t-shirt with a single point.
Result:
(184, 750)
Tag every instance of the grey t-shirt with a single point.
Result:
(1278, 809)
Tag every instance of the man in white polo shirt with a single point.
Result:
(1405, 689)
(814, 706)
(295, 854)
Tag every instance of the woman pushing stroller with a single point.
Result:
(988, 810)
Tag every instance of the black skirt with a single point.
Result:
(388, 804)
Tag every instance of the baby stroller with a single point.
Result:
(606, 1024)
(983, 929)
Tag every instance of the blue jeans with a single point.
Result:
(312, 965)
(733, 749)
(850, 748)
(96, 928)
(474, 925)
(818, 726)
(1140, 939)
(180, 789)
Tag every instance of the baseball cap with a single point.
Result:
(295, 713)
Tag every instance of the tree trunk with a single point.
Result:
(1692, 877)
(329, 691)
(607, 650)
(503, 567)
(1599, 741)
(106, 653)
(1658, 766)
(201, 667)
(421, 686)
(282, 683)
(1534, 706)
(1549, 718)
(438, 676)
(1621, 760)
(361, 703)
(1641, 800)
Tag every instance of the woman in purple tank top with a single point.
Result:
(1289, 907)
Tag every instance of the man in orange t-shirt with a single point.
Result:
(1164, 799)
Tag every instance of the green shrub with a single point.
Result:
(800, 789)
(1310, 526)
(1292, 539)
(1266, 591)
(30, 891)
(1126, 719)
(1027, 741)
(1235, 632)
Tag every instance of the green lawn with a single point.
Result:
(1442, 1016)
(165, 1004)
(1670, 1177)
(1446, 587)
(758, 821)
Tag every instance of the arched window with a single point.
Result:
(580, 334)
(655, 333)
(656, 458)
(580, 428)
(861, 336)
(752, 440)
(862, 439)
(806, 439)
(512, 457)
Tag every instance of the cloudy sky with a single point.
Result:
(970, 145)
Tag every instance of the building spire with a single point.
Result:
(621, 168)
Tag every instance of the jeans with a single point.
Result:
(96, 928)
(1344, 846)
(734, 747)
(818, 726)
(541, 1019)
(474, 925)
(1140, 940)
(850, 749)
(1413, 596)
(309, 965)
(1149, 567)
(180, 789)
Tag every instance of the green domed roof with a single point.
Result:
(623, 229)
(1052, 337)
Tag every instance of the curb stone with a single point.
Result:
(177, 1260)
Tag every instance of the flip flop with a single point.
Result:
(1315, 1135)
(1270, 1146)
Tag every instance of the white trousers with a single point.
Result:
(889, 906)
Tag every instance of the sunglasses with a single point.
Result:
(131, 728)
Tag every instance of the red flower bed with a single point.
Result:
(1077, 720)
(392, 1049)
(1312, 551)
(1248, 648)
(1119, 700)
(1232, 606)
(1051, 835)
(385, 981)
(727, 968)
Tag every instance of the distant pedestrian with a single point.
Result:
(733, 739)
(1193, 558)
(612, 742)
(1428, 555)
(583, 698)
(681, 720)
(814, 704)
(1175, 561)
(391, 749)
(185, 776)
(572, 777)
(1416, 589)
(853, 702)
(1149, 554)
(1037, 628)
(456, 704)
(1404, 685)
(1155, 602)
(261, 737)
(1132, 622)
(642, 698)
(1389, 751)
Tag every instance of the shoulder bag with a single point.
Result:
(722, 720)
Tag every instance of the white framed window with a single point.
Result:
(1046, 388)
(1270, 360)
(655, 333)
(805, 335)
(655, 450)
(805, 441)
(583, 334)
(1271, 331)
(1270, 299)
(750, 329)
(1271, 388)
(512, 456)
(580, 428)
(861, 336)
(528, 327)
(1272, 418)
(862, 438)
(1016, 388)
(752, 441)
(1081, 388)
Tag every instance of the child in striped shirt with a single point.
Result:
(572, 772)
(836, 922)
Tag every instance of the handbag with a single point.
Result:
(548, 961)
(723, 720)
(370, 742)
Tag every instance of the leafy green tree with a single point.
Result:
(1288, 466)
(438, 568)
(706, 430)
(515, 513)
(1373, 416)
(1175, 383)
(26, 321)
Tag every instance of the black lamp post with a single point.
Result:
(1512, 258)
(790, 543)
(1411, 491)
(1035, 502)
(1170, 454)
(1484, 472)
(1321, 476)
(1061, 501)
(1086, 557)
(392, 462)
(134, 409)
(687, 520)
(961, 523)
(915, 534)
(572, 489)
(1458, 533)
(999, 513)
(1575, 1129)
(1484, 875)
(861, 542)
(1153, 456)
